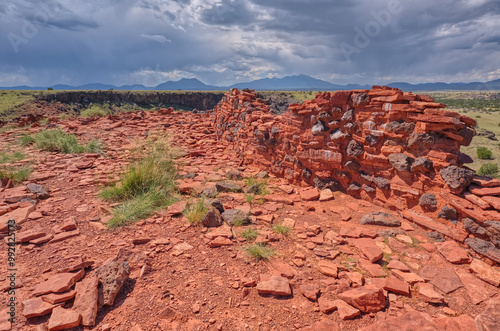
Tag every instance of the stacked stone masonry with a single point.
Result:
(396, 149)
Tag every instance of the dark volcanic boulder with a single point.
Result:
(354, 149)
(428, 202)
(457, 178)
(400, 161)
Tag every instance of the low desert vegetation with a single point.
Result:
(6, 157)
(249, 234)
(95, 111)
(16, 174)
(260, 186)
(488, 169)
(259, 251)
(195, 211)
(280, 229)
(55, 140)
(484, 153)
(146, 186)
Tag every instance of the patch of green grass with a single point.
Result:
(488, 169)
(95, 111)
(147, 185)
(249, 234)
(195, 212)
(280, 229)
(11, 157)
(16, 174)
(387, 257)
(484, 153)
(259, 252)
(57, 141)
(238, 222)
(137, 208)
(261, 185)
(94, 146)
(249, 198)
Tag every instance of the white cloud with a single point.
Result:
(156, 37)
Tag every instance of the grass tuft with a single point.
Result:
(196, 211)
(249, 234)
(259, 251)
(16, 174)
(488, 169)
(11, 157)
(58, 141)
(261, 186)
(281, 229)
(94, 111)
(148, 185)
(484, 153)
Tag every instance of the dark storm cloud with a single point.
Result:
(224, 41)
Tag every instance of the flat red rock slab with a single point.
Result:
(477, 289)
(54, 298)
(453, 252)
(64, 319)
(36, 307)
(444, 279)
(494, 201)
(368, 299)
(275, 285)
(392, 284)
(309, 194)
(369, 249)
(486, 181)
(482, 191)
(58, 283)
(486, 272)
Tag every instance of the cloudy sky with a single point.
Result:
(220, 42)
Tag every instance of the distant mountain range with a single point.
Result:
(289, 83)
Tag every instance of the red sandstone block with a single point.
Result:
(379, 92)
(486, 181)
(388, 150)
(434, 119)
(429, 223)
(375, 159)
(467, 120)
(464, 206)
(453, 136)
(424, 104)
(492, 215)
(442, 156)
(340, 97)
(440, 112)
(481, 191)
(391, 98)
(476, 200)
(397, 107)
(494, 201)
(431, 127)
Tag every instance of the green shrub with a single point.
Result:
(488, 169)
(280, 229)
(12, 157)
(259, 251)
(58, 141)
(16, 174)
(261, 186)
(484, 153)
(94, 111)
(195, 212)
(148, 185)
(249, 234)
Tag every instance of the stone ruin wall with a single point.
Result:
(396, 149)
